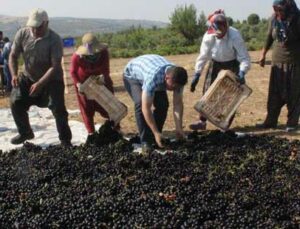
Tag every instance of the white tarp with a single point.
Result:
(43, 126)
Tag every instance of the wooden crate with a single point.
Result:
(222, 99)
(93, 89)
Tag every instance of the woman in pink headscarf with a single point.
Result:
(225, 48)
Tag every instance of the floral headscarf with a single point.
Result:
(214, 20)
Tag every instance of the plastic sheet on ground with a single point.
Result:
(43, 126)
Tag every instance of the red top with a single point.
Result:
(82, 69)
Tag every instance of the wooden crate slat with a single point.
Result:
(115, 109)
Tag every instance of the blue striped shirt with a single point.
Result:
(150, 71)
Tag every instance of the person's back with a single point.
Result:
(145, 66)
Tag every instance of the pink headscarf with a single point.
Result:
(214, 20)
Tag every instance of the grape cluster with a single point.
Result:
(212, 180)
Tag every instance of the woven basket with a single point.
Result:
(94, 89)
(222, 99)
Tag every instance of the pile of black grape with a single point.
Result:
(213, 180)
(104, 136)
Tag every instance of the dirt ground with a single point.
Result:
(253, 110)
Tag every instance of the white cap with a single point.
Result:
(37, 17)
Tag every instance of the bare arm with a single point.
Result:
(13, 67)
(52, 71)
(146, 109)
(178, 112)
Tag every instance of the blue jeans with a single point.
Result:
(160, 111)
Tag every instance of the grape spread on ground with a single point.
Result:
(212, 180)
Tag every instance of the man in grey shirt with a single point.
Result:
(41, 82)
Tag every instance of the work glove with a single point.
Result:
(79, 88)
(241, 77)
(195, 81)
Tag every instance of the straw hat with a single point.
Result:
(90, 45)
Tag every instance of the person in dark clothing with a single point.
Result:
(2, 77)
(1, 42)
(5, 55)
(41, 83)
(284, 85)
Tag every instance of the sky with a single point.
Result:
(157, 10)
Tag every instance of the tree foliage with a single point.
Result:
(230, 21)
(137, 41)
(202, 24)
(253, 19)
(182, 37)
(184, 20)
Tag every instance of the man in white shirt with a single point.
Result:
(226, 49)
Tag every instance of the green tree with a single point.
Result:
(202, 23)
(184, 21)
(230, 21)
(253, 19)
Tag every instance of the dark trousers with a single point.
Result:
(160, 111)
(284, 88)
(2, 77)
(214, 69)
(52, 96)
(7, 76)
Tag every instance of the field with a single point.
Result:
(211, 180)
(251, 111)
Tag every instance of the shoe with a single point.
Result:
(91, 139)
(66, 143)
(20, 138)
(289, 129)
(263, 125)
(199, 125)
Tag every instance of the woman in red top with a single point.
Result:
(91, 58)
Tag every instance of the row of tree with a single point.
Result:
(182, 36)
(185, 21)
